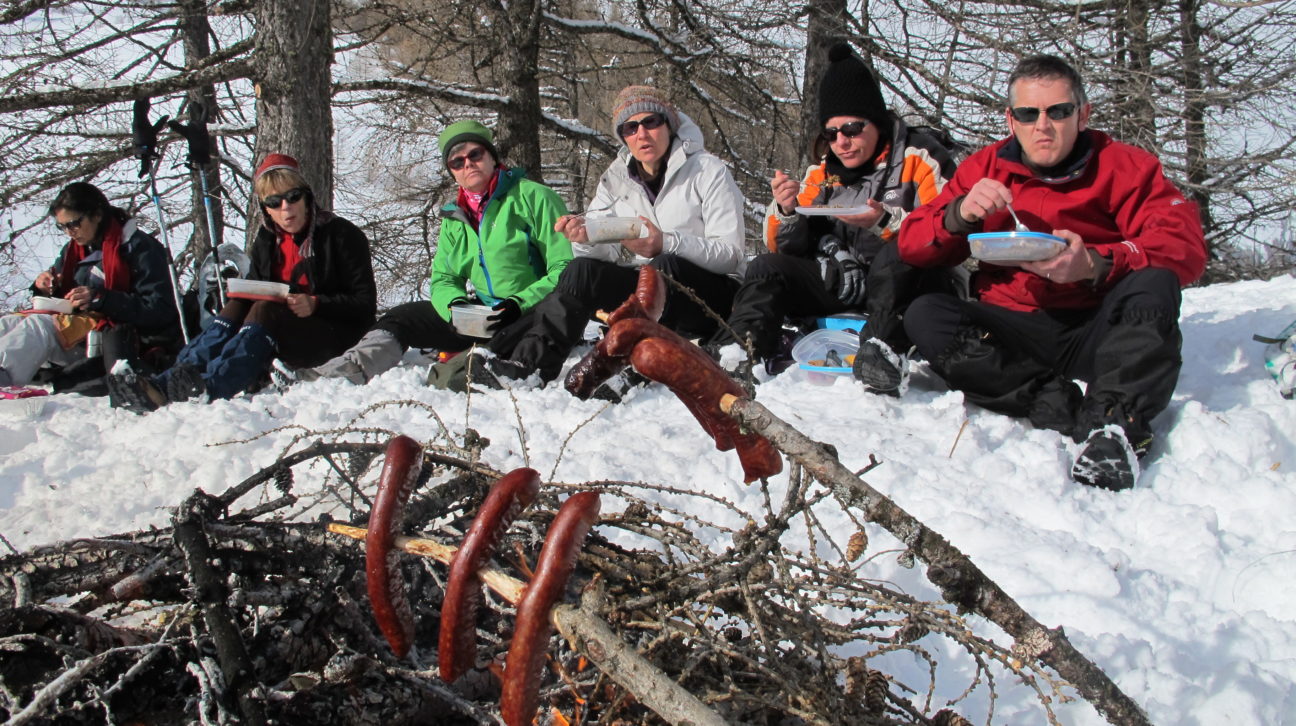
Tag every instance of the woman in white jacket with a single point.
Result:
(692, 212)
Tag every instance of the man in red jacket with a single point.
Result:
(1104, 310)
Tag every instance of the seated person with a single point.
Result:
(498, 234)
(114, 274)
(1104, 309)
(323, 258)
(693, 215)
(827, 265)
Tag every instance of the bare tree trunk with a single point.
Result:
(1133, 110)
(196, 31)
(826, 25)
(517, 135)
(294, 93)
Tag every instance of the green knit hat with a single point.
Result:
(466, 130)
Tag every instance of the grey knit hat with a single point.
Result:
(643, 99)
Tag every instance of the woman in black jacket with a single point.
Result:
(331, 302)
(112, 274)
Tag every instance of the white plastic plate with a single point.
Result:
(52, 304)
(832, 211)
(257, 289)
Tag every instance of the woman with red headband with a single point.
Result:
(324, 260)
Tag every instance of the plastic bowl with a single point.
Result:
(826, 351)
(257, 289)
(612, 229)
(849, 322)
(52, 304)
(1014, 246)
(470, 320)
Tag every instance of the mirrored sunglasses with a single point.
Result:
(849, 130)
(630, 128)
(474, 156)
(292, 196)
(70, 225)
(1030, 114)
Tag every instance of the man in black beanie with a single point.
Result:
(832, 236)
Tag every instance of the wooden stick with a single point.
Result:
(961, 582)
(508, 587)
(586, 632)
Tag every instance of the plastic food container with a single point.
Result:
(257, 290)
(849, 322)
(826, 351)
(470, 320)
(612, 229)
(1014, 246)
(52, 304)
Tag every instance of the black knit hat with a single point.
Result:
(849, 89)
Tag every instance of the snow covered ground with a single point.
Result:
(1181, 589)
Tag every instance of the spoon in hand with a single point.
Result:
(1020, 227)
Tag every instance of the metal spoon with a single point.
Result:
(1020, 227)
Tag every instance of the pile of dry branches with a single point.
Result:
(246, 610)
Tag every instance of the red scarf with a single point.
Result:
(474, 205)
(116, 273)
(290, 252)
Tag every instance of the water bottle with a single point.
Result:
(94, 344)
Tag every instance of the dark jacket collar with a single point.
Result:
(1070, 168)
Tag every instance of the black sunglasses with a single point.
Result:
(1030, 114)
(630, 128)
(71, 224)
(849, 130)
(292, 196)
(474, 156)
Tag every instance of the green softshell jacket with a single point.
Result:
(516, 254)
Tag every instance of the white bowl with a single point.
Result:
(613, 229)
(52, 304)
(257, 289)
(470, 320)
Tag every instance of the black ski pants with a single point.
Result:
(1128, 350)
(587, 286)
(779, 286)
(418, 325)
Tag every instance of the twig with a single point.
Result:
(957, 436)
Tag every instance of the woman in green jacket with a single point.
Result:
(497, 235)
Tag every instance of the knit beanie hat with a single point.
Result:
(848, 88)
(643, 99)
(276, 161)
(466, 130)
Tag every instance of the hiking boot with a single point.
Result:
(617, 388)
(133, 392)
(1107, 460)
(184, 382)
(881, 369)
(781, 359)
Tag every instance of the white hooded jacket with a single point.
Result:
(699, 209)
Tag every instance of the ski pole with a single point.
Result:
(195, 132)
(211, 236)
(145, 137)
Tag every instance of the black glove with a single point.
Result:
(849, 272)
(195, 132)
(144, 135)
(508, 311)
